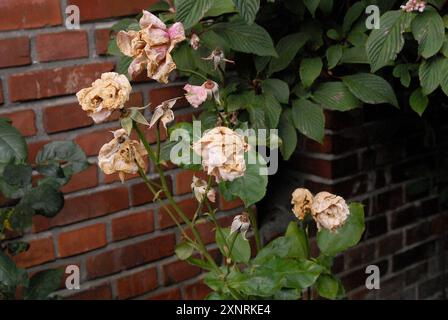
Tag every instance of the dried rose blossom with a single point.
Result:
(302, 199)
(217, 56)
(151, 47)
(222, 151)
(329, 211)
(122, 155)
(197, 95)
(195, 41)
(106, 94)
(199, 188)
(241, 223)
(163, 113)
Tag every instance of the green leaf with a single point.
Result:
(190, 12)
(126, 124)
(287, 48)
(12, 145)
(429, 31)
(22, 217)
(326, 6)
(67, 153)
(204, 264)
(355, 55)
(353, 13)
(45, 199)
(240, 250)
(418, 101)
(287, 133)
(123, 24)
(16, 180)
(309, 119)
(272, 110)
(334, 55)
(43, 283)
(311, 5)
(327, 286)
(264, 285)
(248, 9)
(370, 88)
(10, 275)
(310, 69)
(220, 7)
(278, 88)
(16, 247)
(184, 250)
(288, 294)
(302, 249)
(123, 65)
(431, 73)
(333, 34)
(246, 38)
(402, 71)
(385, 43)
(332, 243)
(335, 96)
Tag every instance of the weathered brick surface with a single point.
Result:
(15, 52)
(62, 46)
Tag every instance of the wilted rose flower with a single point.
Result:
(217, 56)
(199, 188)
(222, 151)
(195, 41)
(302, 199)
(163, 113)
(106, 94)
(151, 47)
(122, 155)
(241, 223)
(197, 95)
(414, 5)
(329, 211)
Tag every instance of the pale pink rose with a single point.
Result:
(196, 95)
(151, 47)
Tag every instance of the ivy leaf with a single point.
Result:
(310, 69)
(42, 284)
(385, 43)
(370, 88)
(278, 88)
(12, 144)
(16, 180)
(429, 31)
(287, 49)
(16, 247)
(309, 119)
(246, 38)
(240, 250)
(311, 5)
(335, 96)
(190, 12)
(184, 250)
(287, 133)
(332, 243)
(248, 9)
(418, 101)
(334, 55)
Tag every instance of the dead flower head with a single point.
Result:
(199, 188)
(240, 223)
(302, 199)
(163, 113)
(329, 211)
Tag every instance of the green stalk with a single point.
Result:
(193, 72)
(254, 222)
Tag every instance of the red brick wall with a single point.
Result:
(123, 243)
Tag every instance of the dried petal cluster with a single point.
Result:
(163, 113)
(222, 151)
(328, 210)
(197, 95)
(414, 5)
(151, 47)
(106, 94)
(121, 155)
(240, 223)
(199, 188)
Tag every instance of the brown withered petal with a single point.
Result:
(329, 211)
(302, 199)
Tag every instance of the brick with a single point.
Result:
(430, 287)
(229, 205)
(390, 200)
(388, 288)
(24, 121)
(170, 294)
(415, 274)
(85, 207)
(206, 229)
(361, 254)
(405, 217)
(102, 9)
(179, 271)
(140, 194)
(419, 233)
(325, 168)
(14, 52)
(92, 142)
(17, 14)
(40, 251)
(188, 206)
(102, 38)
(390, 244)
(196, 291)
(158, 95)
(132, 225)
(83, 180)
(101, 292)
(411, 256)
(130, 256)
(376, 227)
(82, 240)
(61, 81)
(356, 278)
(184, 179)
(62, 46)
(137, 284)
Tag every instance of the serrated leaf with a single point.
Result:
(353, 13)
(288, 134)
(335, 96)
(287, 48)
(309, 119)
(370, 88)
(310, 69)
(272, 110)
(45, 199)
(431, 73)
(385, 43)
(190, 12)
(429, 31)
(278, 88)
(334, 55)
(248, 9)
(246, 38)
(354, 55)
(418, 101)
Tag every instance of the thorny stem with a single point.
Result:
(254, 222)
